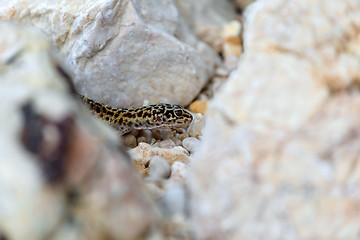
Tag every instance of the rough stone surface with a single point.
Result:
(144, 152)
(280, 151)
(114, 47)
(206, 18)
(159, 168)
(62, 173)
(167, 143)
(191, 144)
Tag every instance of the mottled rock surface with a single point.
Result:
(62, 175)
(122, 52)
(280, 149)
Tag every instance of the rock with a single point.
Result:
(174, 199)
(183, 136)
(195, 128)
(232, 45)
(279, 152)
(130, 141)
(191, 144)
(179, 172)
(166, 133)
(159, 168)
(206, 18)
(167, 143)
(199, 107)
(58, 165)
(142, 139)
(113, 47)
(338, 67)
(144, 152)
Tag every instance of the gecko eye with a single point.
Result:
(178, 112)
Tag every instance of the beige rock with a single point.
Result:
(57, 162)
(144, 152)
(191, 144)
(232, 45)
(280, 149)
(159, 168)
(256, 100)
(272, 29)
(167, 143)
(195, 128)
(114, 47)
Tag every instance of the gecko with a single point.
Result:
(162, 115)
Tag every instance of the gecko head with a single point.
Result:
(179, 116)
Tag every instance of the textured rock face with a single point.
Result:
(122, 52)
(62, 175)
(280, 151)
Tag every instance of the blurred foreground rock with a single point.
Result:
(281, 144)
(62, 175)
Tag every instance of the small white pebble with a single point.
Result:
(179, 172)
(159, 168)
(191, 144)
(174, 199)
(181, 150)
(167, 143)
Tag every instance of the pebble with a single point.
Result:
(195, 128)
(156, 134)
(174, 199)
(135, 132)
(142, 139)
(147, 134)
(159, 168)
(183, 136)
(180, 149)
(130, 141)
(167, 143)
(179, 171)
(166, 134)
(191, 144)
(177, 141)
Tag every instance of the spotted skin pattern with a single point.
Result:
(160, 115)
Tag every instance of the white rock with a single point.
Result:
(167, 143)
(279, 157)
(144, 152)
(179, 172)
(56, 160)
(159, 168)
(174, 199)
(114, 47)
(191, 144)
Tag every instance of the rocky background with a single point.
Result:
(273, 151)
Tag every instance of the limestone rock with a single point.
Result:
(144, 152)
(121, 52)
(321, 44)
(279, 157)
(62, 173)
(159, 168)
(206, 18)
